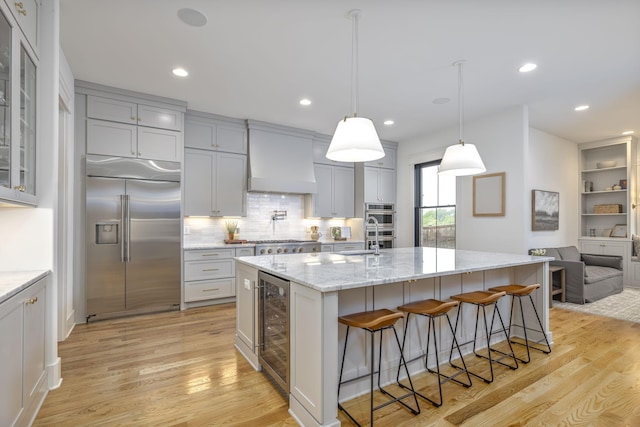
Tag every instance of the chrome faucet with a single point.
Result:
(375, 247)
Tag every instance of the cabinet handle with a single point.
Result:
(20, 188)
(211, 290)
(139, 119)
(133, 117)
(211, 269)
(31, 300)
(133, 153)
(21, 10)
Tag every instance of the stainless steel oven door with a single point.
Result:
(384, 218)
(273, 329)
(384, 242)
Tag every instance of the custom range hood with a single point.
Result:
(280, 159)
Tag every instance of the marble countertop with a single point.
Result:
(12, 282)
(326, 272)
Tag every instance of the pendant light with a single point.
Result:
(355, 138)
(461, 159)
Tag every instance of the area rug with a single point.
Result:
(625, 305)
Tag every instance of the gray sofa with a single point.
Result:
(589, 277)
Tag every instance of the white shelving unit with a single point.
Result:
(603, 166)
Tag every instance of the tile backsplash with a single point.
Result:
(258, 225)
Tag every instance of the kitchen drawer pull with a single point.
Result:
(31, 300)
(211, 269)
(210, 254)
(211, 290)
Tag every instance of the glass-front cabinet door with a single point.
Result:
(5, 102)
(18, 78)
(27, 124)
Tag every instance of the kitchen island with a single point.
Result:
(326, 285)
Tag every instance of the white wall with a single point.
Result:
(553, 166)
(530, 159)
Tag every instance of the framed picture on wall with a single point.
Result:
(545, 210)
(488, 194)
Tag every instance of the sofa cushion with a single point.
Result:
(602, 260)
(596, 273)
(569, 253)
(552, 252)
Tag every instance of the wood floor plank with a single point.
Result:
(181, 369)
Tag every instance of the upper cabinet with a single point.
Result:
(212, 132)
(127, 124)
(27, 15)
(376, 180)
(18, 75)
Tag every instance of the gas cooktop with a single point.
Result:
(268, 242)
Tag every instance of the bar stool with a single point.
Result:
(520, 291)
(372, 322)
(483, 299)
(433, 309)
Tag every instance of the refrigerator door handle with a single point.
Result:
(122, 226)
(128, 219)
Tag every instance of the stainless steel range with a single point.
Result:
(274, 247)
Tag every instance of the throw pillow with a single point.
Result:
(601, 260)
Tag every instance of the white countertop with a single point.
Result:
(222, 245)
(12, 282)
(326, 272)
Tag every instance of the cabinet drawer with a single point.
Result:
(348, 247)
(209, 289)
(201, 270)
(208, 254)
(244, 251)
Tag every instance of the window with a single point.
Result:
(435, 207)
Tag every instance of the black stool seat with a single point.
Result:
(521, 291)
(432, 309)
(372, 322)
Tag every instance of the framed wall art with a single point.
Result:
(488, 194)
(545, 210)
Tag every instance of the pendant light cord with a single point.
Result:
(354, 62)
(460, 100)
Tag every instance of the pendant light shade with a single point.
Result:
(355, 138)
(461, 159)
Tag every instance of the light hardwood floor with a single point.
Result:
(181, 369)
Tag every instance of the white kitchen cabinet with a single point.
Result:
(22, 371)
(246, 308)
(209, 274)
(26, 13)
(212, 132)
(388, 161)
(215, 183)
(123, 111)
(342, 246)
(603, 247)
(18, 126)
(327, 247)
(123, 140)
(379, 185)
(320, 147)
(335, 195)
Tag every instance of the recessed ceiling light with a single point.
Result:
(305, 102)
(180, 72)
(529, 66)
(441, 100)
(627, 132)
(388, 122)
(192, 17)
(582, 107)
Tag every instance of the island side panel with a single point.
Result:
(314, 356)
(247, 313)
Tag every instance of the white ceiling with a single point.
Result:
(257, 58)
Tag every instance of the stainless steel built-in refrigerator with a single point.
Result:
(133, 236)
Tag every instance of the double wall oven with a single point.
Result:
(385, 214)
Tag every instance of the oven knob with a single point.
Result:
(300, 249)
(294, 250)
(269, 251)
(279, 250)
(261, 251)
(286, 250)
